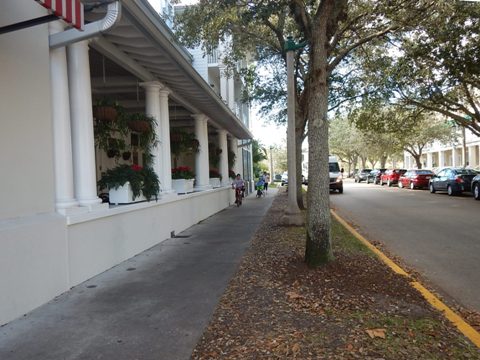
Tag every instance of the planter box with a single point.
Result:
(124, 195)
(215, 182)
(183, 186)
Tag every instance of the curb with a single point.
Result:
(467, 330)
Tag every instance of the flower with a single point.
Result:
(182, 172)
(136, 167)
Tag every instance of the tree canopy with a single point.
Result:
(333, 31)
(434, 65)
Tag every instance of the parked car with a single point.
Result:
(304, 180)
(284, 179)
(390, 177)
(362, 174)
(452, 180)
(476, 187)
(374, 176)
(336, 176)
(415, 179)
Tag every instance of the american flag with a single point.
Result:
(69, 10)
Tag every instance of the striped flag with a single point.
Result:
(69, 10)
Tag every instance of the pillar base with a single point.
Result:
(74, 210)
(97, 207)
(293, 217)
(65, 204)
(293, 220)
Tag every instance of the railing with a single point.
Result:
(212, 56)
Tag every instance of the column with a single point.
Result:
(472, 156)
(441, 159)
(223, 165)
(223, 85)
(231, 93)
(62, 137)
(202, 175)
(152, 108)
(454, 157)
(429, 160)
(165, 141)
(83, 144)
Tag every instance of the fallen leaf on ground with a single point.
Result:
(374, 333)
(293, 295)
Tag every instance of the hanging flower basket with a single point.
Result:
(105, 113)
(140, 126)
(126, 155)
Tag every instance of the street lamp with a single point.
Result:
(272, 174)
(292, 215)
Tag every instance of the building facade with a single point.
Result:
(463, 150)
(55, 232)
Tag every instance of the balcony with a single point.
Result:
(212, 57)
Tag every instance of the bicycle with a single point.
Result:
(238, 196)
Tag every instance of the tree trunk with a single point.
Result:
(383, 161)
(418, 160)
(318, 248)
(355, 163)
(364, 162)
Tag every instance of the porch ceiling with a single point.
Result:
(144, 49)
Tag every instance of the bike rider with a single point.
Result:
(239, 185)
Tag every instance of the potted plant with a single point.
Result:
(215, 178)
(140, 122)
(106, 110)
(126, 155)
(182, 141)
(231, 156)
(128, 184)
(182, 179)
(214, 154)
(115, 147)
(231, 174)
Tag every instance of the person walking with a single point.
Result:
(266, 180)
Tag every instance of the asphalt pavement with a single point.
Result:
(153, 306)
(435, 234)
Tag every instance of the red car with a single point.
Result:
(415, 178)
(391, 177)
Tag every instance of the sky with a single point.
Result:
(268, 134)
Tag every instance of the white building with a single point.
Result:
(228, 85)
(438, 155)
(54, 231)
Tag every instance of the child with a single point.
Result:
(260, 186)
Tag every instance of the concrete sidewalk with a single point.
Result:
(153, 306)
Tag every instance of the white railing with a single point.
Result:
(212, 56)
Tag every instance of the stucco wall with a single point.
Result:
(33, 263)
(26, 158)
(98, 244)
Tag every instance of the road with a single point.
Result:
(435, 234)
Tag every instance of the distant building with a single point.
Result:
(438, 155)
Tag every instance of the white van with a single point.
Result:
(336, 177)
